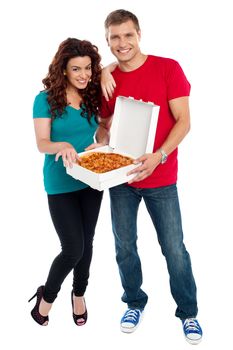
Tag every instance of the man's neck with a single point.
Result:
(133, 64)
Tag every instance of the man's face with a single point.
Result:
(123, 40)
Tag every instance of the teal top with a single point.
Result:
(70, 127)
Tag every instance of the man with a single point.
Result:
(162, 81)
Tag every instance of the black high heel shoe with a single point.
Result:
(35, 311)
(76, 318)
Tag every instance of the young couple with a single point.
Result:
(67, 115)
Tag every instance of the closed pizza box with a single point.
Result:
(132, 134)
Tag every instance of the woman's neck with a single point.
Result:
(73, 97)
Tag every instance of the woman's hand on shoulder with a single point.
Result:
(68, 154)
(108, 83)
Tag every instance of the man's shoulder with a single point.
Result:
(163, 61)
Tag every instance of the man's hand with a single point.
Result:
(149, 162)
(94, 145)
(108, 83)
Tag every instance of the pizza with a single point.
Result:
(100, 162)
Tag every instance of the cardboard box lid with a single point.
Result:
(133, 126)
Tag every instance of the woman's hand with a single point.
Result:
(107, 82)
(68, 154)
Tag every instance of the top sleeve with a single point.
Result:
(104, 109)
(177, 83)
(41, 107)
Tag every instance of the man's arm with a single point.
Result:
(108, 85)
(180, 111)
(102, 134)
(107, 81)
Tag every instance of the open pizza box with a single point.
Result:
(132, 134)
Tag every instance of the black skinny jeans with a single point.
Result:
(74, 216)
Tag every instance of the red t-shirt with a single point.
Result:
(158, 80)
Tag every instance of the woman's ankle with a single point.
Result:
(44, 307)
(79, 305)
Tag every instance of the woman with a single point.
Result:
(65, 119)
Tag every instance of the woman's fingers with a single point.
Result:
(69, 156)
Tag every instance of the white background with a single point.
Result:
(199, 35)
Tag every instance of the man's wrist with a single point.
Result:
(103, 125)
(163, 155)
(102, 136)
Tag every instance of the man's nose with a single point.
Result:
(122, 42)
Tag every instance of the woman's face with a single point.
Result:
(78, 72)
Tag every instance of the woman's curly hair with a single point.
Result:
(55, 82)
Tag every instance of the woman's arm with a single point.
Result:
(45, 145)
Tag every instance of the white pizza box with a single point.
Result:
(132, 134)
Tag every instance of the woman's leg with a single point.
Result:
(66, 214)
(90, 201)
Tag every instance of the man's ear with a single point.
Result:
(139, 35)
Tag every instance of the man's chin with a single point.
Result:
(123, 59)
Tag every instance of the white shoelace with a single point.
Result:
(191, 325)
(131, 315)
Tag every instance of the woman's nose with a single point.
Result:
(83, 74)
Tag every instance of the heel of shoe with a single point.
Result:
(32, 297)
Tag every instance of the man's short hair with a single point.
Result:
(119, 17)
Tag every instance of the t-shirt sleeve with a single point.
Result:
(104, 109)
(41, 107)
(177, 83)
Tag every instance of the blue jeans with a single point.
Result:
(163, 206)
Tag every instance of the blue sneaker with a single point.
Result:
(192, 330)
(131, 320)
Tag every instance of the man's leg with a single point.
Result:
(163, 205)
(124, 207)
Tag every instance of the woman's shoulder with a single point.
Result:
(41, 106)
(41, 99)
(42, 96)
